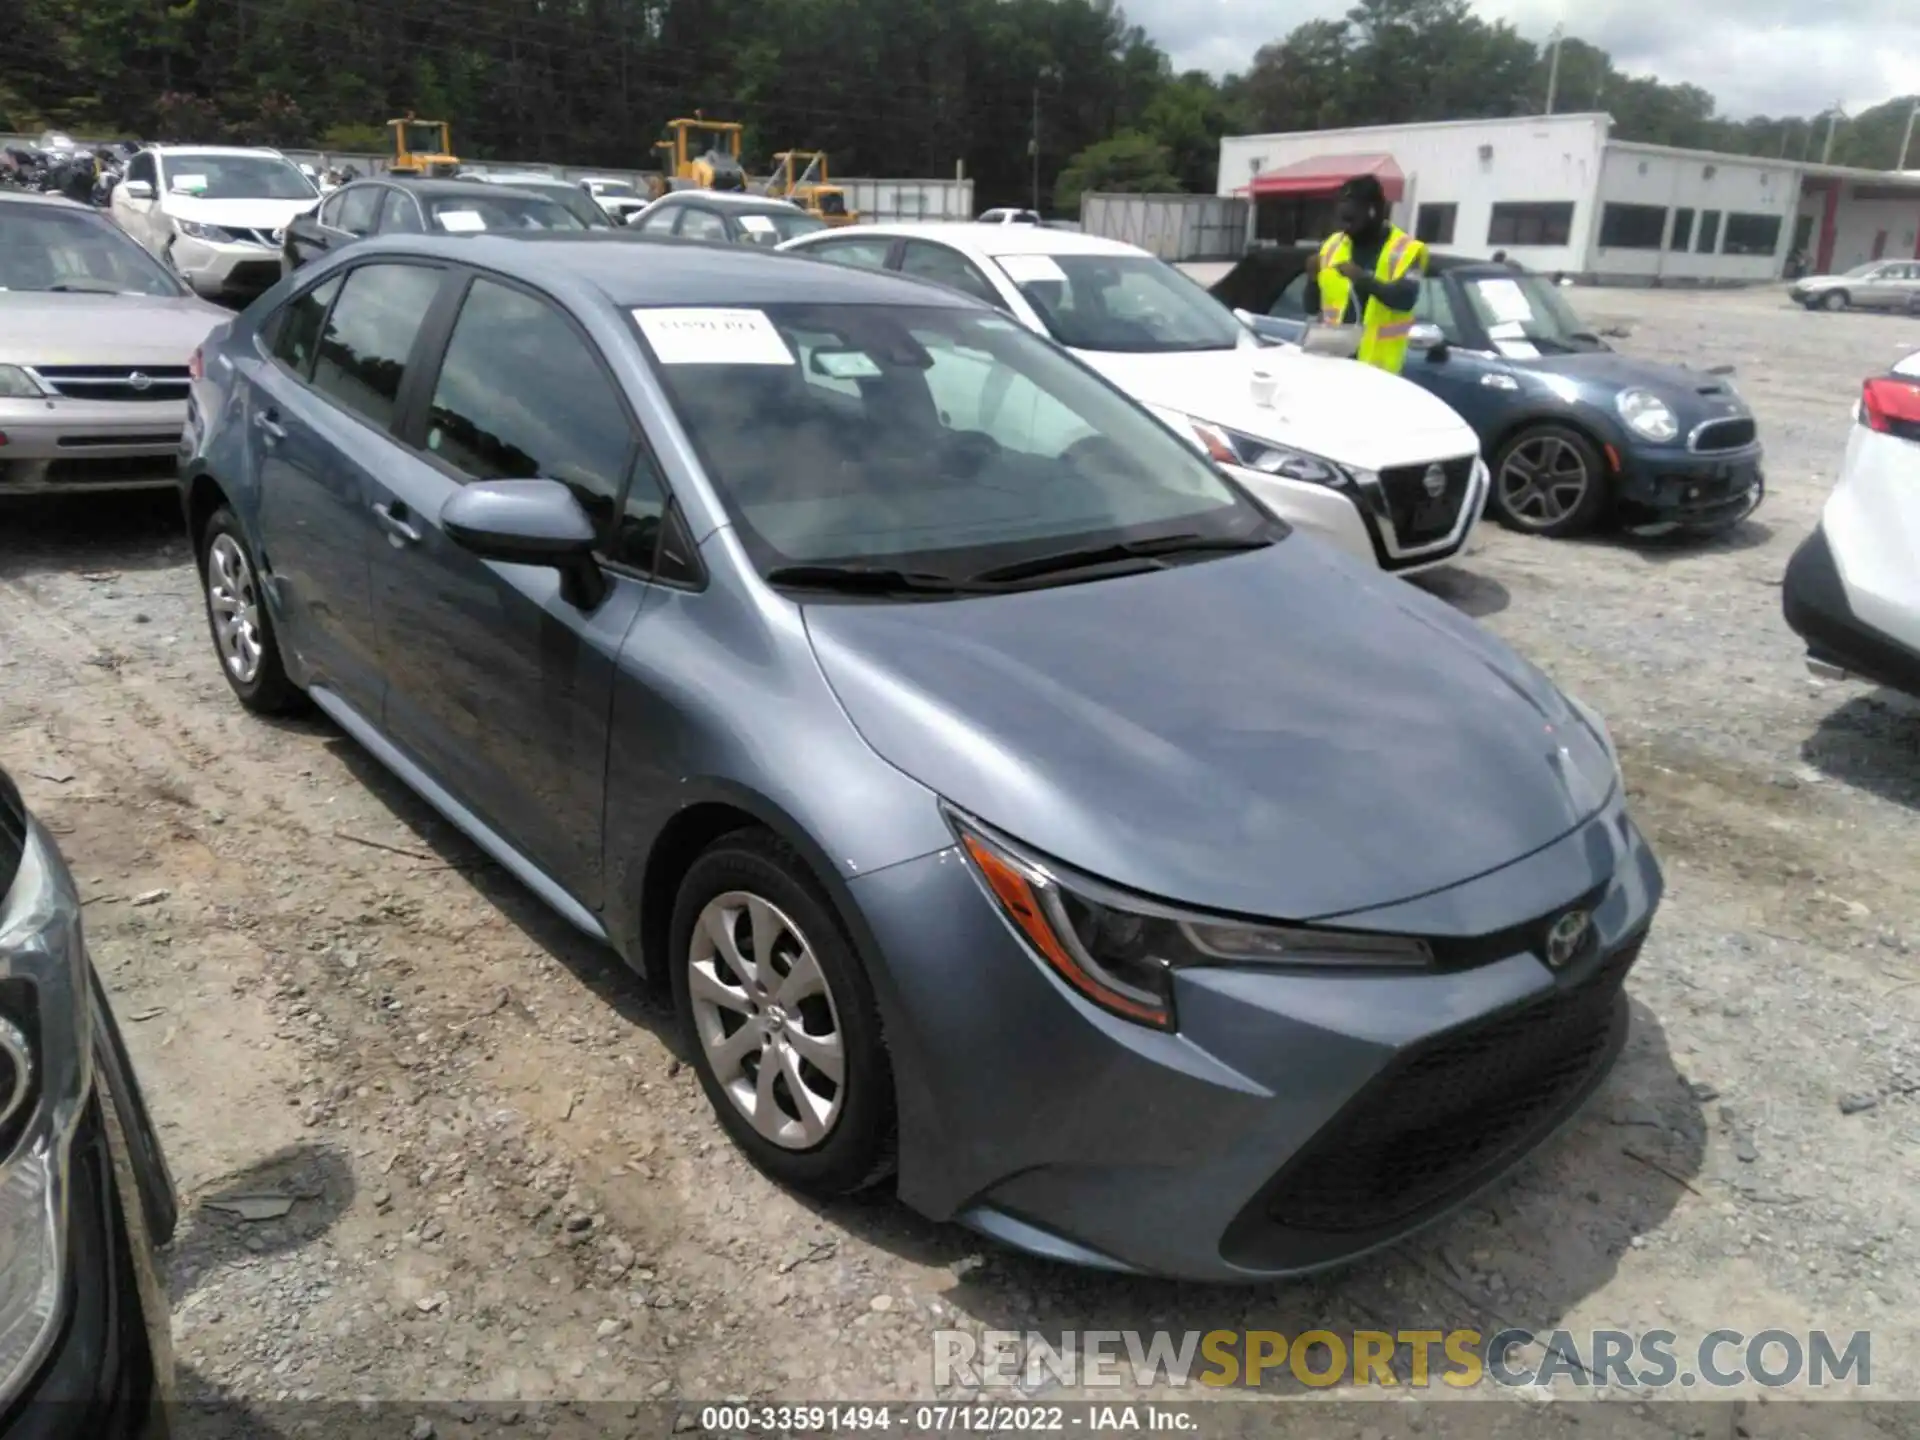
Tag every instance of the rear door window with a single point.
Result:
(949, 267)
(868, 254)
(357, 207)
(400, 214)
(369, 337)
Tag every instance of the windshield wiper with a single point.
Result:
(873, 580)
(1147, 550)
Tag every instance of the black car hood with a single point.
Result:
(1282, 733)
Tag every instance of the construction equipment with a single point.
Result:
(422, 147)
(801, 176)
(703, 154)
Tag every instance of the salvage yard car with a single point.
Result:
(1354, 455)
(95, 337)
(1876, 285)
(414, 207)
(1001, 792)
(1852, 589)
(727, 219)
(1576, 432)
(214, 214)
(85, 1194)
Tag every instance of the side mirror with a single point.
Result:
(1245, 317)
(136, 189)
(1429, 338)
(529, 522)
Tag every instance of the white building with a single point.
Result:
(1556, 194)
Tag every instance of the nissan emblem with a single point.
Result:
(1435, 481)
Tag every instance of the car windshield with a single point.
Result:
(570, 198)
(771, 227)
(237, 177)
(1524, 313)
(48, 247)
(467, 214)
(938, 439)
(425, 138)
(1131, 303)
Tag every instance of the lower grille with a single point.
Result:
(1735, 434)
(1453, 1110)
(167, 439)
(1421, 516)
(100, 469)
(116, 382)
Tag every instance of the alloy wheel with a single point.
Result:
(1543, 481)
(235, 605)
(766, 1019)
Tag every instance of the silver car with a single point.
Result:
(1877, 285)
(99, 336)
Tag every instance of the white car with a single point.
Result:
(1005, 216)
(619, 198)
(215, 214)
(1363, 459)
(1852, 590)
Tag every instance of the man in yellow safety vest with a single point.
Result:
(1368, 274)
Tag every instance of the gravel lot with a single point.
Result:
(505, 1186)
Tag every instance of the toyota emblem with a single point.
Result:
(1435, 481)
(139, 380)
(1568, 938)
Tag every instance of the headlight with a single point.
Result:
(194, 230)
(1120, 951)
(45, 1079)
(17, 384)
(1230, 447)
(1647, 414)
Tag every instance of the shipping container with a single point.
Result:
(1174, 227)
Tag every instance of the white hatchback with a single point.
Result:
(1361, 458)
(1852, 590)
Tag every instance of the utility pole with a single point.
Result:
(1033, 149)
(1833, 124)
(1907, 139)
(1553, 65)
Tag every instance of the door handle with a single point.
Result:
(268, 423)
(393, 520)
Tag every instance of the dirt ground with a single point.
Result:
(500, 1183)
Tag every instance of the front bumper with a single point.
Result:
(1814, 598)
(1295, 1121)
(220, 270)
(65, 445)
(1664, 485)
(1360, 518)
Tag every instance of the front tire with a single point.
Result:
(1549, 480)
(779, 1017)
(237, 618)
(1835, 300)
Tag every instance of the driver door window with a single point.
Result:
(700, 224)
(142, 168)
(861, 254)
(660, 223)
(355, 215)
(949, 267)
(1291, 304)
(1435, 307)
(399, 215)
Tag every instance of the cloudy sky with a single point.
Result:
(1758, 56)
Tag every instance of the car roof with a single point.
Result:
(1003, 239)
(728, 197)
(217, 150)
(51, 202)
(630, 269)
(430, 187)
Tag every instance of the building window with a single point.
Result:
(1435, 225)
(1709, 232)
(1752, 234)
(1682, 230)
(1632, 227)
(1531, 223)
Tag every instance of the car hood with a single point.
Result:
(1611, 371)
(43, 329)
(240, 214)
(1281, 733)
(1823, 282)
(1355, 414)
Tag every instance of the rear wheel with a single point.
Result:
(1549, 480)
(780, 1019)
(237, 618)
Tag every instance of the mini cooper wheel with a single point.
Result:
(1549, 480)
(237, 618)
(780, 1020)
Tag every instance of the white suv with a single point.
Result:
(216, 215)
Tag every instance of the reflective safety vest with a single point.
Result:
(1383, 333)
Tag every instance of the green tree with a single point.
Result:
(1129, 163)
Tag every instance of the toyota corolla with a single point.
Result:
(1011, 805)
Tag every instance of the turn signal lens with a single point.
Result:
(1031, 901)
(1892, 406)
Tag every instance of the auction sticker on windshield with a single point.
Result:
(758, 224)
(1032, 269)
(713, 337)
(1506, 300)
(461, 222)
